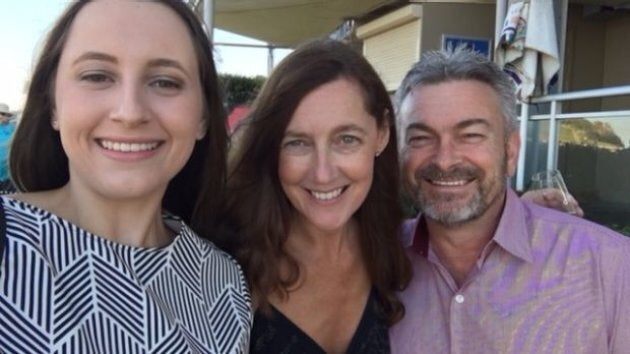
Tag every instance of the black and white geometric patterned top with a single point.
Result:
(65, 290)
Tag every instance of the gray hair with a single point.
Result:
(436, 67)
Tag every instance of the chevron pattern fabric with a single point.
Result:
(65, 290)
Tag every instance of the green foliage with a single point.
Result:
(587, 133)
(239, 90)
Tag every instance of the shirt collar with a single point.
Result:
(511, 234)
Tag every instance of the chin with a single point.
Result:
(452, 214)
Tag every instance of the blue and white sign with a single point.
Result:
(481, 45)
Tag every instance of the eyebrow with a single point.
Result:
(461, 125)
(349, 127)
(169, 63)
(95, 56)
(470, 122)
(340, 129)
(159, 62)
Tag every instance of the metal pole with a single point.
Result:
(501, 10)
(208, 17)
(270, 60)
(563, 44)
(552, 140)
(520, 171)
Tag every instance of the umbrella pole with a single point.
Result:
(500, 11)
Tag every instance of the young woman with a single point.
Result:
(313, 195)
(123, 124)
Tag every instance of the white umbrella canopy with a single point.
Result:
(287, 22)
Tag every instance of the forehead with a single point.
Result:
(446, 104)
(128, 28)
(339, 102)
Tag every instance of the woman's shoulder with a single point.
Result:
(207, 250)
(22, 209)
(32, 203)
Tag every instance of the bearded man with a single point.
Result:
(494, 273)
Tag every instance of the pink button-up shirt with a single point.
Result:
(546, 283)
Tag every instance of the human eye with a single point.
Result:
(347, 143)
(349, 140)
(296, 146)
(166, 84)
(418, 140)
(473, 137)
(96, 78)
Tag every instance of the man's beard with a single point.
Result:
(446, 208)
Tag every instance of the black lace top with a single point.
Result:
(277, 334)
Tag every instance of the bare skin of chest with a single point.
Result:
(329, 302)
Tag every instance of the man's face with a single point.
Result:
(4, 117)
(455, 154)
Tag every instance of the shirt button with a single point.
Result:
(459, 299)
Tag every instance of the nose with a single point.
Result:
(130, 105)
(446, 155)
(324, 167)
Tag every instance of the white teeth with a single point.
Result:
(448, 183)
(128, 147)
(327, 195)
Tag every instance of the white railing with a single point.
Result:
(554, 116)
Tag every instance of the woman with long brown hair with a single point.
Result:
(313, 191)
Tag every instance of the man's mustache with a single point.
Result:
(434, 172)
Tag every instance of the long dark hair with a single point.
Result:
(38, 161)
(257, 206)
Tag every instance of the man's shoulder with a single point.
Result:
(554, 224)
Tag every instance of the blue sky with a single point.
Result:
(25, 24)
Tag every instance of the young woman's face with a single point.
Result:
(128, 99)
(327, 155)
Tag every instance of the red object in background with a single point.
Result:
(237, 114)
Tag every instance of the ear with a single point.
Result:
(202, 129)
(54, 121)
(512, 147)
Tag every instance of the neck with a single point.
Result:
(135, 223)
(311, 244)
(459, 246)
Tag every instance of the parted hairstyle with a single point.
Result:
(38, 161)
(257, 205)
(461, 63)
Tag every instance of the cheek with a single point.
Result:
(182, 121)
(363, 168)
(290, 170)
(411, 160)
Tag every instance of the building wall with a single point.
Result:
(584, 59)
(469, 20)
(597, 52)
(395, 42)
(617, 60)
(393, 52)
(392, 43)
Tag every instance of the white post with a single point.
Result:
(520, 171)
(208, 17)
(553, 137)
(270, 60)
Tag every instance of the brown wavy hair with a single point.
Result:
(38, 161)
(257, 207)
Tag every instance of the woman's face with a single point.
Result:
(128, 99)
(327, 155)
